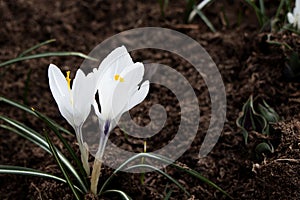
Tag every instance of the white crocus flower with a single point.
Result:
(74, 102)
(294, 18)
(118, 91)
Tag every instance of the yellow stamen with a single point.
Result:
(117, 77)
(68, 79)
(32, 109)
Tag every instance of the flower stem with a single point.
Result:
(95, 175)
(85, 159)
(84, 152)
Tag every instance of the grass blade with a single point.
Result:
(167, 197)
(36, 47)
(39, 140)
(47, 54)
(8, 169)
(122, 166)
(30, 111)
(26, 132)
(206, 20)
(257, 12)
(167, 161)
(202, 178)
(121, 193)
(68, 147)
(279, 9)
(161, 172)
(60, 164)
(262, 7)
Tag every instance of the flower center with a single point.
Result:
(117, 77)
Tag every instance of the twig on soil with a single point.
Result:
(287, 159)
(38, 190)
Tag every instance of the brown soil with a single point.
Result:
(248, 64)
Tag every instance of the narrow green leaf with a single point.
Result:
(121, 193)
(30, 111)
(167, 161)
(206, 20)
(68, 147)
(264, 147)
(161, 172)
(25, 132)
(262, 7)
(279, 8)
(36, 47)
(8, 169)
(122, 166)
(261, 16)
(59, 162)
(47, 54)
(39, 140)
(268, 113)
(167, 197)
(249, 119)
(191, 172)
(202, 178)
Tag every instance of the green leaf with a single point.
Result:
(163, 4)
(39, 140)
(167, 197)
(60, 164)
(8, 169)
(36, 47)
(161, 172)
(167, 161)
(268, 113)
(189, 6)
(206, 20)
(26, 132)
(249, 120)
(34, 113)
(47, 54)
(260, 12)
(264, 147)
(67, 146)
(121, 193)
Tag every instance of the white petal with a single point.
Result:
(115, 61)
(83, 95)
(202, 4)
(297, 4)
(106, 89)
(134, 74)
(123, 91)
(139, 95)
(62, 95)
(291, 18)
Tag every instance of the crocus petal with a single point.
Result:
(61, 93)
(297, 4)
(83, 94)
(139, 95)
(114, 62)
(123, 90)
(291, 18)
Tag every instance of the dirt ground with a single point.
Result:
(248, 65)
